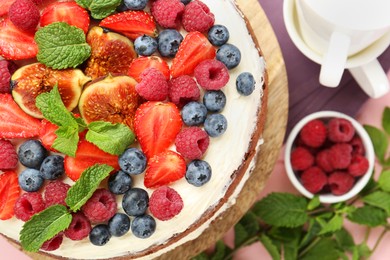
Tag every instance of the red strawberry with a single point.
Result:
(14, 122)
(47, 134)
(16, 44)
(140, 64)
(4, 6)
(9, 193)
(164, 168)
(87, 155)
(156, 126)
(68, 12)
(194, 49)
(131, 23)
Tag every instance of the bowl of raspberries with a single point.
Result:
(329, 154)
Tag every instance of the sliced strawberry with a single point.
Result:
(194, 49)
(4, 6)
(156, 126)
(69, 12)
(9, 193)
(14, 122)
(87, 155)
(140, 64)
(131, 23)
(164, 168)
(16, 44)
(47, 134)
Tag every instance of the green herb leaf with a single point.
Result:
(61, 45)
(368, 215)
(386, 120)
(361, 251)
(99, 8)
(246, 228)
(314, 203)
(344, 239)
(379, 141)
(89, 181)
(335, 223)
(312, 231)
(282, 210)
(380, 199)
(220, 251)
(370, 186)
(44, 226)
(67, 140)
(285, 234)
(270, 246)
(324, 249)
(384, 181)
(111, 138)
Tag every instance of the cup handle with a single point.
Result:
(334, 61)
(372, 78)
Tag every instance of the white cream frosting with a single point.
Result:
(225, 155)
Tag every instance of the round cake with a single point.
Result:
(229, 155)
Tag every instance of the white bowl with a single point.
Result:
(369, 154)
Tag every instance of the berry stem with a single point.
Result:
(381, 236)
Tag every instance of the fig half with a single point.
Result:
(110, 53)
(31, 80)
(112, 99)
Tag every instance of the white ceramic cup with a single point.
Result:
(341, 34)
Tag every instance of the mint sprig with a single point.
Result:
(99, 8)
(61, 46)
(294, 227)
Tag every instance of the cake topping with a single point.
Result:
(24, 14)
(119, 182)
(8, 156)
(143, 226)
(145, 45)
(101, 9)
(52, 167)
(79, 228)
(55, 193)
(30, 180)
(132, 161)
(245, 83)
(211, 74)
(198, 173)
(215, 125)
(153, 85)
(169, 41)
(229, 55)
(135, 4)
(53, 243)
(167, 12)
(182, 90)
(194, 113)
(100, 235)
(192, 142)
(9, 193)
(7, 68)
(140, 64)
(214, 100)
(165, 203)
(197, 17)
(28, 204)
(218, 35)
(100, 207)
(135, 202)
(119, 224)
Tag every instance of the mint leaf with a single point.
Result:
(220, 251)
(324, 249)
(361, 251)
(379, 141)
(285, 234)
(99, 8)
(344, 239)
(246, 228)
(201, 256)
(61, 45)
(282, 210)
(368, 215)
(386, 120)
(314, 203)
(44, 226)
(312, 232)
(66, 141)
(270, 246)
(384, 181)
(89, 181)
(111, 138)
(334, 224)
(379, 199)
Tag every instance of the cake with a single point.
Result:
(229, 155)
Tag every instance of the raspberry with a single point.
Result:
(313, 134)
(53, 243)
(359, 166)
(301, 159)
(167, 12)
(79, 228)
(197, 17)
(29, 204)
(192, 142)
(153, 86)
(340, 182)
(357, 146)
(182, 90)
(100, 207)
(340, 130)
(322, 161)
(211, 74)
(24, 14)
(313, 179)
(165, 203)
(55, 193)
(7, 68)
(340, 155)
(8, 155)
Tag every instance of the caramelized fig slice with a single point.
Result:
(112, 99)
(111, 53)
(31, 80)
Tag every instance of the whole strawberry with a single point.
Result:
(24, 14)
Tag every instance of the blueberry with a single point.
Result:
(135, 4)
(119, 182)
(119, 224)
(145, 45)
(31, 154)
(185, 2)
(214, 100)
(229, 55)
(215, 125)
(143, 226)
(30, 180)
(198, 173)
(194, 113)
(52, 167)
(132, 161)
(135, 202)
(245, 83)
(218, 35)
(168, 42)
(122, 7)
(100, 235)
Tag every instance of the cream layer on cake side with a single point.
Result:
(225, 155)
